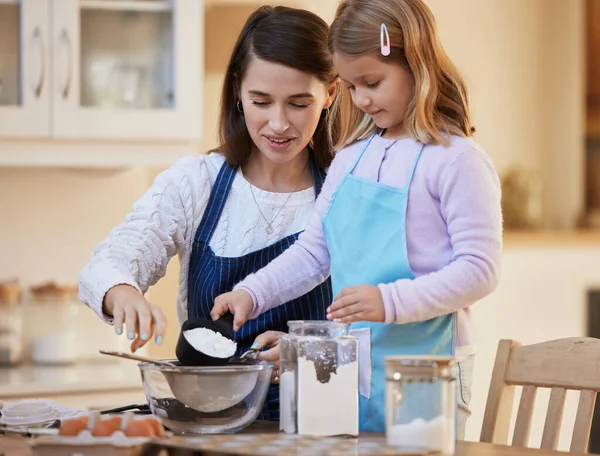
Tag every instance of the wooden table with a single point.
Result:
(12, 446)
(463, 448)
(18, 446)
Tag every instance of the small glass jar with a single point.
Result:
(11, 323)
(318, 381)
(52, 326)
(421, 403)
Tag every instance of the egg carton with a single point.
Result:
(117, 444)
(85, 443)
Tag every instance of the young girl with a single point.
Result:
(409, 222)
(228, 213)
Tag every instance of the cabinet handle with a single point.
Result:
(67, 40)
(37, 36)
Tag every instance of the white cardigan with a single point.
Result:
(164, 221)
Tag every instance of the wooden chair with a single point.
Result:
(564, 364)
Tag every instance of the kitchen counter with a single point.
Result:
(97, 385)
(98, 376)
(551, 238)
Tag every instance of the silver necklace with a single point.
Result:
(269, 228)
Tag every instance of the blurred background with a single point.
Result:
(98, 96)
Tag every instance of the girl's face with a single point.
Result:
(382, 90)
(282, 107)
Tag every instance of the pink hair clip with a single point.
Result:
(385, 41)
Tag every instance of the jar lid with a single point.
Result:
(419, 365)
(28, 412)
(317, 323)
(10, 292)
(52, 290)
(318, 328)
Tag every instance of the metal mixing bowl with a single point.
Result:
(207, 400)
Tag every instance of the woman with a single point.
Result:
(229, 213)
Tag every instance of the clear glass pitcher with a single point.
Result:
(318, 380)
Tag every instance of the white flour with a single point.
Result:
(434, 435)
(327, 409)
(287, 402)
(210, 342)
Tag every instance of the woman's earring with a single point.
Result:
(325, 113)
(239, 106)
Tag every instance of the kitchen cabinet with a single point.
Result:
(593, 67)
(119, 72)
(24, 62)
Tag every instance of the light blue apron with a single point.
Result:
(365, 231)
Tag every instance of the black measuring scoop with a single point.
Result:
(188, 355)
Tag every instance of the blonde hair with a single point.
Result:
(440, 105)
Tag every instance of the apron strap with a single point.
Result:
(414, 166)
(216, 203)
(358, 157)
(220, 191)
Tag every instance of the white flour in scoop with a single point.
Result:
(210, 342)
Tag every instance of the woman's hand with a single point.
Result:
(360, 303)
(142, 319)
(269, 339)
(238, 302)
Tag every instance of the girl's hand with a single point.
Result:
(269, 339)
(142, 319)
(238, 302)
(360, 303)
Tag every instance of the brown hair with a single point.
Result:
(440, 106)
(292, 37)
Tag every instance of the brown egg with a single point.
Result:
(73, 426)
(159, 430)
(105, 428)
(139, 428)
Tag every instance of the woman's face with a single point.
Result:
(282, 107)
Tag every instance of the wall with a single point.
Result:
(50, 220)
(524, 65)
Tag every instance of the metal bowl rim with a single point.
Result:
(257, 366)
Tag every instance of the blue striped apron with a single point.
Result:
(211, 275)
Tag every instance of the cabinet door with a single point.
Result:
(24, 65)
(127, 70)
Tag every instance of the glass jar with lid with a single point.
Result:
(421, 403)
(11, 323)
(318, 380)
(52, 326)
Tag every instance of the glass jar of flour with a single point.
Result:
(421, 403)
(11, 323)
(318, 379)
(53, 312)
